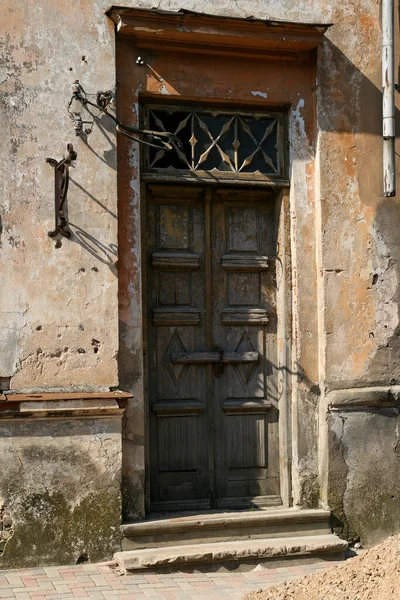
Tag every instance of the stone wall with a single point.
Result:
(363, 488)
(60, 480)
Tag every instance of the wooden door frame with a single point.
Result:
(250, 68)
(284, 335)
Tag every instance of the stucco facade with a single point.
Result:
(71, 312)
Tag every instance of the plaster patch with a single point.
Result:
(298, 120)
(386, 275)
(163, 90)
(300, 147)
(157, 31)
(261, 94)
(3, 75)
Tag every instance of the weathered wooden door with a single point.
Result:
(211, 344)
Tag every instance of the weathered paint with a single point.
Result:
(61, 326)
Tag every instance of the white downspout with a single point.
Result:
(388, 106)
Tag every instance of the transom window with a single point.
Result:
(218, 143)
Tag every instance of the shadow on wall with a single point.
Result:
(105, 125)
(106, 254)
(89, 195)
(347, 100)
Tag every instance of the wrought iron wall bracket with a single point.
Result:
(61, 181)
(161, 140)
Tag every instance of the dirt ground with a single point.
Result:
(374, 575)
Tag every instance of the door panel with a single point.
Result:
(175, 307)
(244, 320)
(211, 304)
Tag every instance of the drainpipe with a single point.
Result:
(388, 106)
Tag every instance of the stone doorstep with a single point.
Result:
(236, 551)
(216, 520)
(222, 526)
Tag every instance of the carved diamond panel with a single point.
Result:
(175, 371)
(245, 370)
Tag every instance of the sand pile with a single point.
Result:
(374, 575)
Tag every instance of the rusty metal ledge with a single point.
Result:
(14, 406)
(35, 397)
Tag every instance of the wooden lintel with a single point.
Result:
(212, 180)
(198, 31)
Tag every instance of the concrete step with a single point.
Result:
(321, 546)
(223, 527)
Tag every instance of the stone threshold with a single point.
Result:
(221, 519)
(21, 406)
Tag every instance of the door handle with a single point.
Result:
(217, 357)
(218, 367)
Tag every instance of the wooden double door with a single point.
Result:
(211, 348)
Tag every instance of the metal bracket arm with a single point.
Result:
(162, 140)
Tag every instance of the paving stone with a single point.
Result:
(46, 585)
(99, 582)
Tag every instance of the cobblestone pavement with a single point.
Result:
(100, 582)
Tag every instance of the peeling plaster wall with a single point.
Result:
(59, 313)
(59, 306)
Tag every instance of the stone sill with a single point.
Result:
(362, 398)
(15, 406)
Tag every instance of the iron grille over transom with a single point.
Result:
(218, 143)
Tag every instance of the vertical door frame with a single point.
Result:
(284, 341)
(284, 332)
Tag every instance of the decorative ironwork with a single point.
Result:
(154, 139)
(218, 142)
(61, 175)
